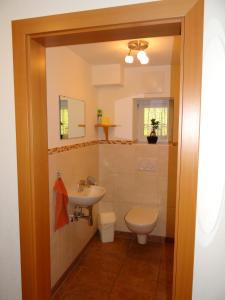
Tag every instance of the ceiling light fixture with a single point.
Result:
(140, 46)
(144, 60)
(129, 59)
(141, 54)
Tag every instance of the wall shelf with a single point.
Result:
(106, 129)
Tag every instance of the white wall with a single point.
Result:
(119, 164)
(107, 75)
(10, 283)
(139, 82)
(68, 75)
(209, 272)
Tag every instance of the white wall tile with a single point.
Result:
(67, 242)
(129, 187)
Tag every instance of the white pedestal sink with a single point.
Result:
(89, 196)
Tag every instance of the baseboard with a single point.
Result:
(151, 238)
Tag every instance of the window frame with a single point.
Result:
(140, 104)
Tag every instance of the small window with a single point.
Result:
(159, 109)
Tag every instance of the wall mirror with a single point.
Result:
(71, 118)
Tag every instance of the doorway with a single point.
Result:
(30, 38)
(116, 165)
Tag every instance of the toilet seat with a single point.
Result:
(142, 216)
(142, 220)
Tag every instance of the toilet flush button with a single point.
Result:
(147, 164)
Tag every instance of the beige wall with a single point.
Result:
(68, 75)
(139, 82)
(127, 186)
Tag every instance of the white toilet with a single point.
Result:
(142, 221)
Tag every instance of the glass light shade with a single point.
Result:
(144, 60)
(129, 59)
(141, 54)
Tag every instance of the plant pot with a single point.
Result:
(152, 139)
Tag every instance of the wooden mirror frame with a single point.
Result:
(30, 38)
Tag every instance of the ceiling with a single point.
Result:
(161, 51)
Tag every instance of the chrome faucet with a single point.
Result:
(91, 181)
(81, 185)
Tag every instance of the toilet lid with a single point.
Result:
(142, 215)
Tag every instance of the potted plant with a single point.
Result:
(153, 138)
(99, 116)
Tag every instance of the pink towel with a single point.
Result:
(61, 216)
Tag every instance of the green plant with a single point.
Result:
(99, 112)
(154, 125)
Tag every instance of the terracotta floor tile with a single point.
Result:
(140, 270)
(118, 247)
(137, 285)
(128, 291)
(150, 252)
(84, 294)
(120, 270)
(88, 284)
(163, 292)
(104, 262)
(166, 272)
(95, 278)
(67, 283)
(168, 252)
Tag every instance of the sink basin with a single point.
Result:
(89, 196)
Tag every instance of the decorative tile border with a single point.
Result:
(117, 142)
(71, 147)
(87, 144)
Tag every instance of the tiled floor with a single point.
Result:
(121, 270)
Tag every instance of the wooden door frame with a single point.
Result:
(30, 38)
